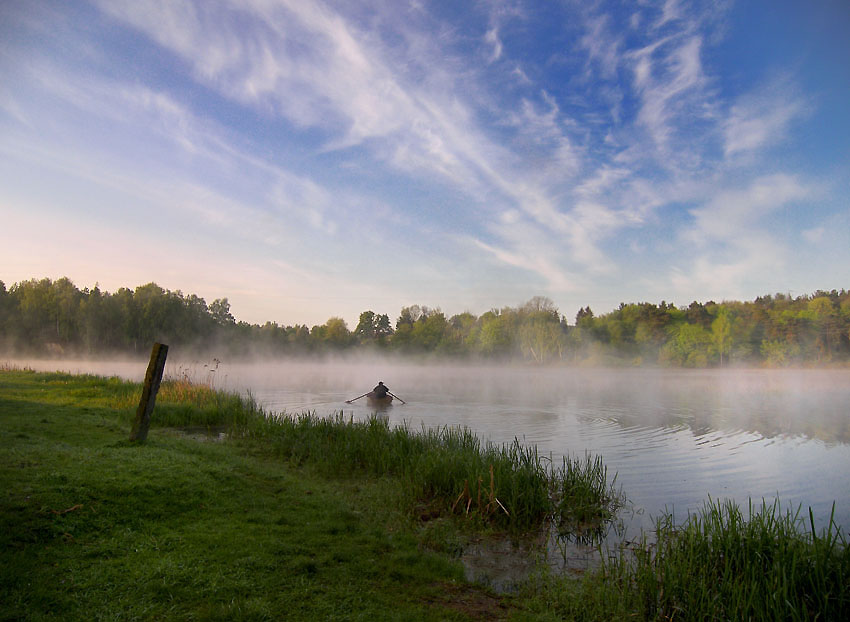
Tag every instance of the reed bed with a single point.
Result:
(721, 565)
(447, 468)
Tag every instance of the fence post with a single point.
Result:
(152, 379)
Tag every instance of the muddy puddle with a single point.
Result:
(503, 563)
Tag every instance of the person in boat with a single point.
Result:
(380, 391)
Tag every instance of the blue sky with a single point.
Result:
(316, 159)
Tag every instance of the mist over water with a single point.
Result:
(673, 437)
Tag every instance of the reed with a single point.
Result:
(447, 468)
(722, 565)
(585, 496)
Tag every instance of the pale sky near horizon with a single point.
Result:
(309, 159)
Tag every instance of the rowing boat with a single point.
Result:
(374, 400)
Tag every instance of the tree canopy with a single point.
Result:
(55, 318)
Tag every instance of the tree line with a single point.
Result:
(55, 318)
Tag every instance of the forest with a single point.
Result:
(53, 318)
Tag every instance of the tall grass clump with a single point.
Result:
(720, 565)
(447, 468)
(584, 497)
(183, 403)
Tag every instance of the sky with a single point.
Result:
(311, 159)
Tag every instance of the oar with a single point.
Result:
(397, 397)
(357, 398)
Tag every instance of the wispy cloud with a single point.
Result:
(731, 246)
(526, 246)
(670, 11)
(733, 214)
(318, 68)
(616, 129)
(669, 79)
(813, 235)
(762, 118)
(726, 275)
(603, 47)
(492, 39)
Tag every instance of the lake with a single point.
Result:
(674, 438)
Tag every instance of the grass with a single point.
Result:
(446, 469)
(580, 485)
(93, 527)
(307, 518)
(766, 566)
(717, 565)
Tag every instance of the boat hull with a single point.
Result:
(373, 400)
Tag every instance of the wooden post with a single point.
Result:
(153, 377)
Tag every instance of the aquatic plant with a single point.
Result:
(584, 498)
(720, 564)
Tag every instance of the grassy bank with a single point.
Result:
(93, 527)
(307, 518)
